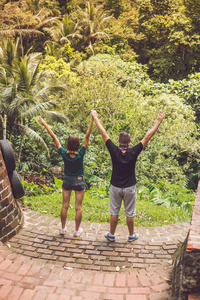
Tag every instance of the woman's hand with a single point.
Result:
(41, 121)
(93, 113)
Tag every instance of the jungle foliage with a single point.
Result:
(162, 34)
(127, 60)
(125, 99)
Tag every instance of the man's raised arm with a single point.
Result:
(151, 132)
(99, 126)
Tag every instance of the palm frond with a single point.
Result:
(38, 109)
(52, 86)
(3, 81)
(2, 72)
(21, 32)
(32, 62)
(47, 21)
(33, 78)
(22, 69)
(33, 57)
(17, 45)
(36, 138)
(9, 93)
(19, 104)
(65, 39)
(106, 19)
(100, 34)
(55, 115)
(44, 75)
(8, 69)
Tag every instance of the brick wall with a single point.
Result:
(11, 217)
(186, 276)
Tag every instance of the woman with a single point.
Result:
(73, 175)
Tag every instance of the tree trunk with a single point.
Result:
(21, 143)
(11, 126)
(90, 46)
(3, 120)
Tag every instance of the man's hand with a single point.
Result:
(99, 126)
(153, 130)
(93, 113)
(160, 117)
(41, 121)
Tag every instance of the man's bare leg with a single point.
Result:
(130, 224)
(113, 223)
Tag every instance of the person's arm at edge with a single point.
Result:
(56, 141)
(87, 135)
(151, 132)
(99, 126)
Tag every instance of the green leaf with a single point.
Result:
(91, 178)
(58, 182)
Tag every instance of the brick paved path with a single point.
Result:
(39, 264)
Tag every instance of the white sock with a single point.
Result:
(110, 234)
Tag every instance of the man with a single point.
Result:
(123, 181)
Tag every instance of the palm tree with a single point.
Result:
(9, 51)
(91, 23)
(63, 30)
(26, 19)
(24, 93)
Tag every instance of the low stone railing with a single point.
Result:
(11, 217)
(186, 276)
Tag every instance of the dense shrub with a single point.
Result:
(125, 99)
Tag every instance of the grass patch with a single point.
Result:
(96, 209)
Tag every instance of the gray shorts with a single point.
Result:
(128, 195)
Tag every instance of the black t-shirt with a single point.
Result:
(123, 172)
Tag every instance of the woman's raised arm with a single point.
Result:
(87, 135)
(56, 141)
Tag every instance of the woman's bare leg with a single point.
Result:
(78, 205)
(65, 206)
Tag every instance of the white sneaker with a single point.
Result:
(78, 232)
(62, 231)
(109, 236)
